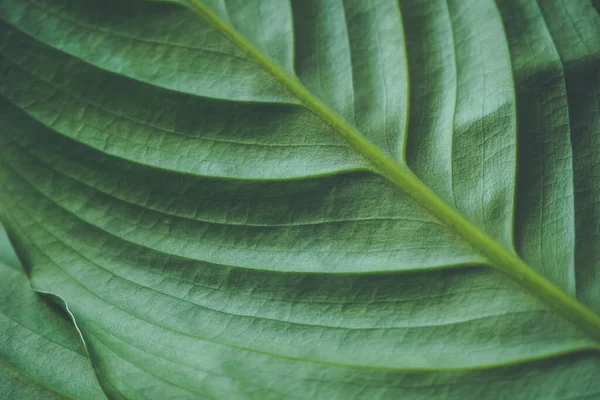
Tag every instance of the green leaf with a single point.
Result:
(41, 353)
(314, 199)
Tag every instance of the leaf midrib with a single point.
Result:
(402, 177)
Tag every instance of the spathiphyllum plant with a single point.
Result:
(300, 199)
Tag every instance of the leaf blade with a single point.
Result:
(38, 346)
(404, 179)
(122, 260)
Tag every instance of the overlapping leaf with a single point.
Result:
(41, 354)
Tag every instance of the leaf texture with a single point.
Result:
(41, 354)
(313, 199)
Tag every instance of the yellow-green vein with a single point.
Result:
(498, 257)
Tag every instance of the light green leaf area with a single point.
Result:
(329, 199)
(41, 353)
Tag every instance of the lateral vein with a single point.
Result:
(402, 177)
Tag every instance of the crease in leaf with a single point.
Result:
(32, 330)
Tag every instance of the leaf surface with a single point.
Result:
(321, 199)
(41, 353)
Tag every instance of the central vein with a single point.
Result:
(498, 256)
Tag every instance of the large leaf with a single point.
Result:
(258, 199)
